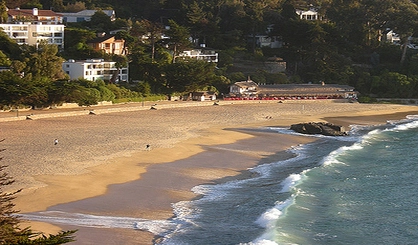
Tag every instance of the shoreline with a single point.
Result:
(209, 132)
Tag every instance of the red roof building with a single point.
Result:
(34, 16)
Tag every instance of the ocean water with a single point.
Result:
(359, 189)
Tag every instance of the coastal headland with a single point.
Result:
(131, 161)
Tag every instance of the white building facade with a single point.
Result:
(33, 34)
(33, 26)
(94, 69)
(200, 54)
(310, 14)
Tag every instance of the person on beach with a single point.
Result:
(147, 147)
(55, 141)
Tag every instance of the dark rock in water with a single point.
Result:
(327, 129)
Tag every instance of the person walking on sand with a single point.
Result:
(55, 141)
(147, 147)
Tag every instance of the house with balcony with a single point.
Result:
(108, 44)
(33, 26)
(94, 69)
(205, 54)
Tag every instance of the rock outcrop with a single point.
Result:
(327, 129)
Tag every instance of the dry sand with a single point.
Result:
(190, 144)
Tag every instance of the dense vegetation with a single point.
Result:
(346, 47)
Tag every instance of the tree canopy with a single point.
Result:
(346, 45)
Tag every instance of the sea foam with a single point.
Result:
(157, 227)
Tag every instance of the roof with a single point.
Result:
(29, 12)
(293, 89)
(246, 84)
(101, 39)
(87, 61)
(311, 10)
(200, 93)
(90, 13)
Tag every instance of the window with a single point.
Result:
(19, 28)
(18, 34)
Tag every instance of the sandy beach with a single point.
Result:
(101, 165)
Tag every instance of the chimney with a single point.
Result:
(35, 11)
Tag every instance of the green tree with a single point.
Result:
(75, 7)
(3, 12)
(43, 61)
(189, 76)
(9, 47)
(402, 18)
(120, 62)
(100, 22)
(10, 92)
(76, 43)
(178, 38)
(4, 60)
(152, 32)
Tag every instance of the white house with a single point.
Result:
(32, 26)
(85, 15)
(310, 14)
(200, 54)
(247, 88)
(94, 69)
(391, 37)
(267, 41)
